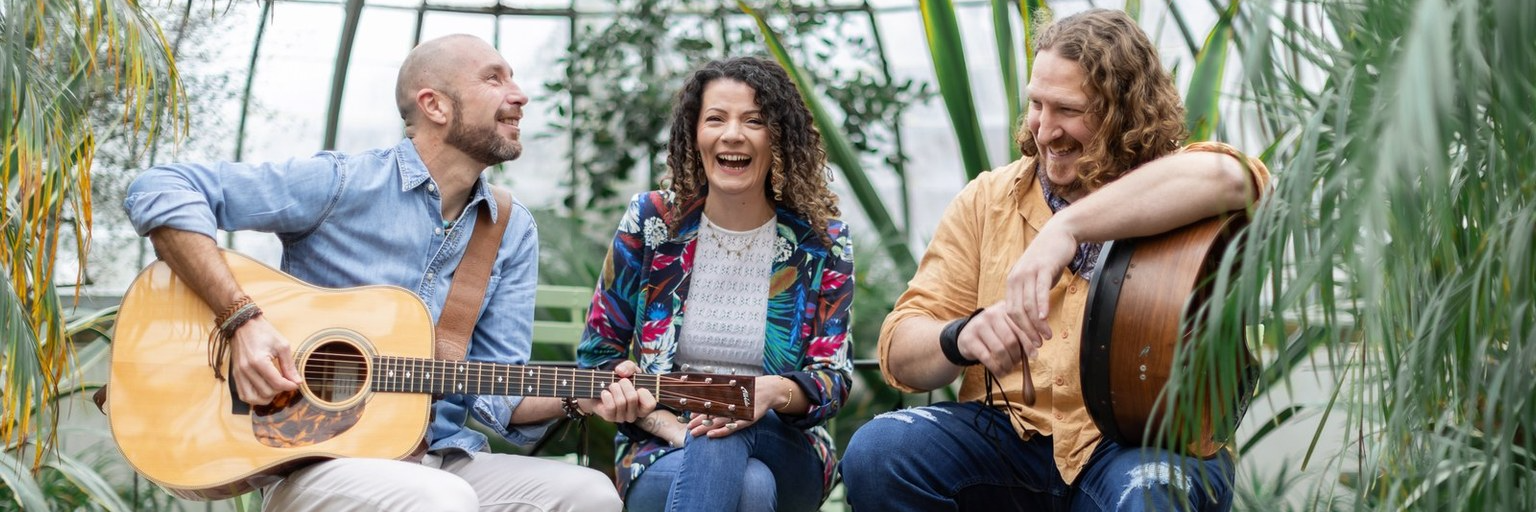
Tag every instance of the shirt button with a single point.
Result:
(431, 276)
(438, 231)
(1060, 381)
(1065, 333)
(1072, 289)
(1058, 416)
(431, 187)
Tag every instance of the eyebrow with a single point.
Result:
(753, 111)
(496, 67)
(1078, 105)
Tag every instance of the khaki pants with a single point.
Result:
(456, 482)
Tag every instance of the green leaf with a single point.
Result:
(18, 480)
(840, 152)
(1030, 11)
(1202, 100)
(88, 480)
(1002, 31)
(944, 46)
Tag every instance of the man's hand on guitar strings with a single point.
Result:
(263, 363)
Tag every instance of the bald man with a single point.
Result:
(399, 216)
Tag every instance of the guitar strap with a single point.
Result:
(467, 291)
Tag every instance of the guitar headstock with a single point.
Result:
(706, 393)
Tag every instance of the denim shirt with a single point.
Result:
(365, 219)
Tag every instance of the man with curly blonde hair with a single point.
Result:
(1006, 278)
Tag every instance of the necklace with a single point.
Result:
(745, 242)
(735, 244)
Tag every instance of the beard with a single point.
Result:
(484, 145)
(1054, 166)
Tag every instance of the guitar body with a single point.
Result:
(1141, 291)
(180, 426)
(366, 355)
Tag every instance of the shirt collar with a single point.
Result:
(1028, 197)
(413, 174)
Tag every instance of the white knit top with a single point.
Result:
(726, 323)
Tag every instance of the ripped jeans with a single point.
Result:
(965, 456)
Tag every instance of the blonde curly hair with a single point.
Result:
(798, 174)
(1141, 116)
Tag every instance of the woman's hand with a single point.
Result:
(664, 424)
(769, 390)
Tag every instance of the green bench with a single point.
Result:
(569, 302)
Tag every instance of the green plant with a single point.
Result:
(58, 480)
(1399, 243)
(53, 57)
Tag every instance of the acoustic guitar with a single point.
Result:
(1140, 293)
(366, 357)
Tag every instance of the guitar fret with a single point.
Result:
(420, 375)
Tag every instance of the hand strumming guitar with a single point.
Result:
(262, 363)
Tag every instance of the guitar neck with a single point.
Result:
(415, 375)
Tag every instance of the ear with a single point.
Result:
(434, 106)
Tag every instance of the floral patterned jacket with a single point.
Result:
(641, 301)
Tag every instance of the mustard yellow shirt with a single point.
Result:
(982, 234)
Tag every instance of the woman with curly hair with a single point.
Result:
(739, 267)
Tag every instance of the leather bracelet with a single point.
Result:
(572, 408)
(949, 340)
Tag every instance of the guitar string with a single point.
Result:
(443, 383)
(481, 369)
(579, 379)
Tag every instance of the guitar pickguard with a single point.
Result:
(292, 420)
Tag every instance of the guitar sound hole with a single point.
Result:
(335, 372)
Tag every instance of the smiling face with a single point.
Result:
(487, 106)
(1060, 120)
(735, 147)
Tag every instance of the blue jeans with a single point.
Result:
(766, 466)
(966, 456)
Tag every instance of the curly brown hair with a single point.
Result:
(797, 176)
(1141, 116)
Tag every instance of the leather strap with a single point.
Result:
(467, 292)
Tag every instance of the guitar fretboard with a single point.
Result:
(415, 375)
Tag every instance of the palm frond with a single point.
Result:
(58, 54)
